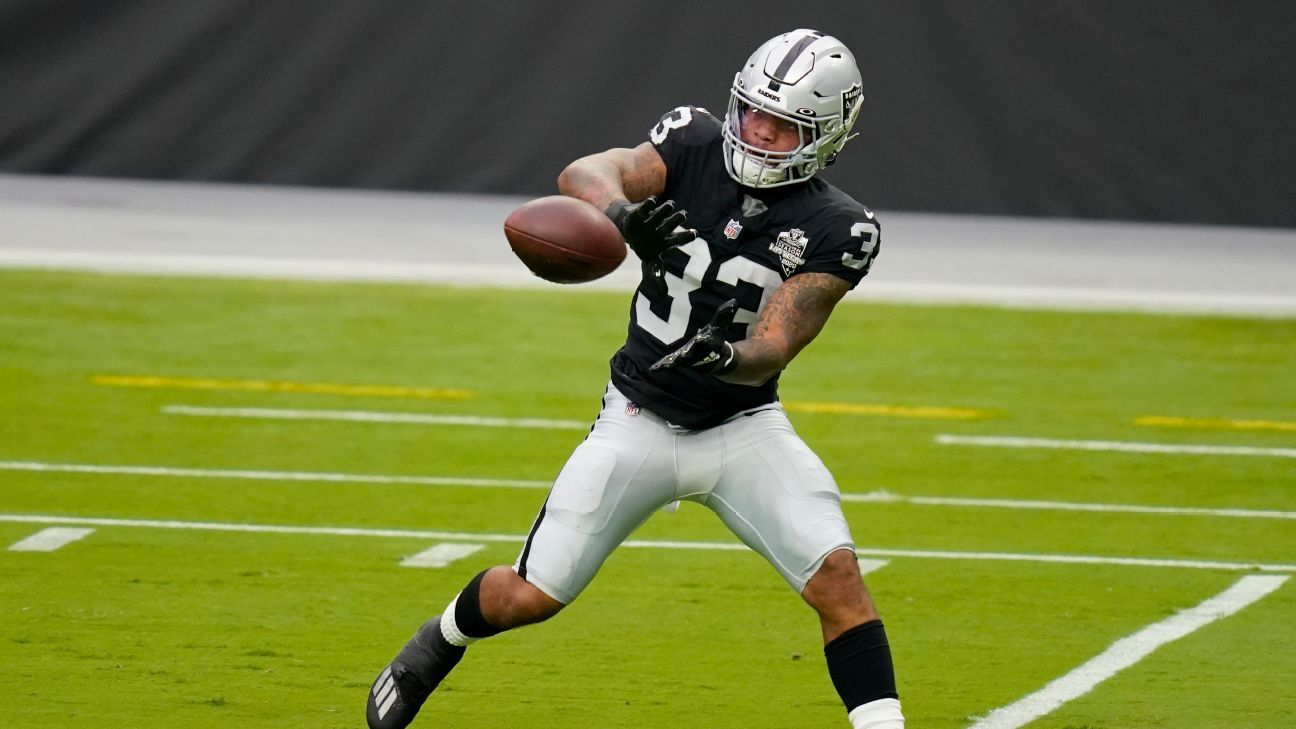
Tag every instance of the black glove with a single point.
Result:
(707, 351)
(649, 227)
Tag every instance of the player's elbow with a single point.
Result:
(602, 169)
(570, 179)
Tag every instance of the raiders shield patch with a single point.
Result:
(790, 248)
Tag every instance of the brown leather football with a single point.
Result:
(564, 240)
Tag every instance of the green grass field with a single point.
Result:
(149, 621)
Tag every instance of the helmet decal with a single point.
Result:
(780, 74)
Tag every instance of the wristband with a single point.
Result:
(730, 363)
(618, 211)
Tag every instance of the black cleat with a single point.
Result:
(413, 675)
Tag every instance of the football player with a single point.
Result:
(692, 410)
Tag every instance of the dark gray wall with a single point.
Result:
(1134, 109)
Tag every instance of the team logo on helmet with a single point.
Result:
(851, 99)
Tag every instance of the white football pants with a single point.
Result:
(753, 471)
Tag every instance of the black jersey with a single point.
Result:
(749, 242)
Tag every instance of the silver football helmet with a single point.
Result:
(804, 77)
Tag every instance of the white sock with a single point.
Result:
(451, 631)
(879, 714)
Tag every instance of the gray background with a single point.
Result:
(1155, 110)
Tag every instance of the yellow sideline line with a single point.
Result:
(1214, 423)
(429, 393)
(325, 388)
(895, 411)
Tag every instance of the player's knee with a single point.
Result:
(838, 573)
(509, 601)
(531, 605)
(837, 585)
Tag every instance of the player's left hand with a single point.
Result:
(707, 351)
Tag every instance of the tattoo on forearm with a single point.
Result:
(793, 316)
(800, 308)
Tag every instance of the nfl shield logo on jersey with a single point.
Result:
(632, 409)
(732, 230)
(790, 248)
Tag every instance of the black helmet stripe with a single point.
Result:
(786, 64)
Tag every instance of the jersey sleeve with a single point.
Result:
(849, 242)
(682, 136)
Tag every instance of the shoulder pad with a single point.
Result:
(842, 213)
(687, 125)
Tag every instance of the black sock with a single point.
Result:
(468, 615)
(859, 662)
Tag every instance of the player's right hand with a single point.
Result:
(708, 350)
(649, 227)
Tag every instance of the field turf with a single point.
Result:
(180, 609)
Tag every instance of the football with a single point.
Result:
(564, 240)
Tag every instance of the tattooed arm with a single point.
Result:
(794, 315)
(617, 174)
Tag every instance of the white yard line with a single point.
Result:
(166, 471)
(365, 416)
(442, 555)
(209, 526)
(634, 543)
(871, 565)
(1127, 651)
(830, 408)
(872, 497)
(1004, 441)
(375, 417)
(48, 540)
(1078, 559)
(888, 497)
